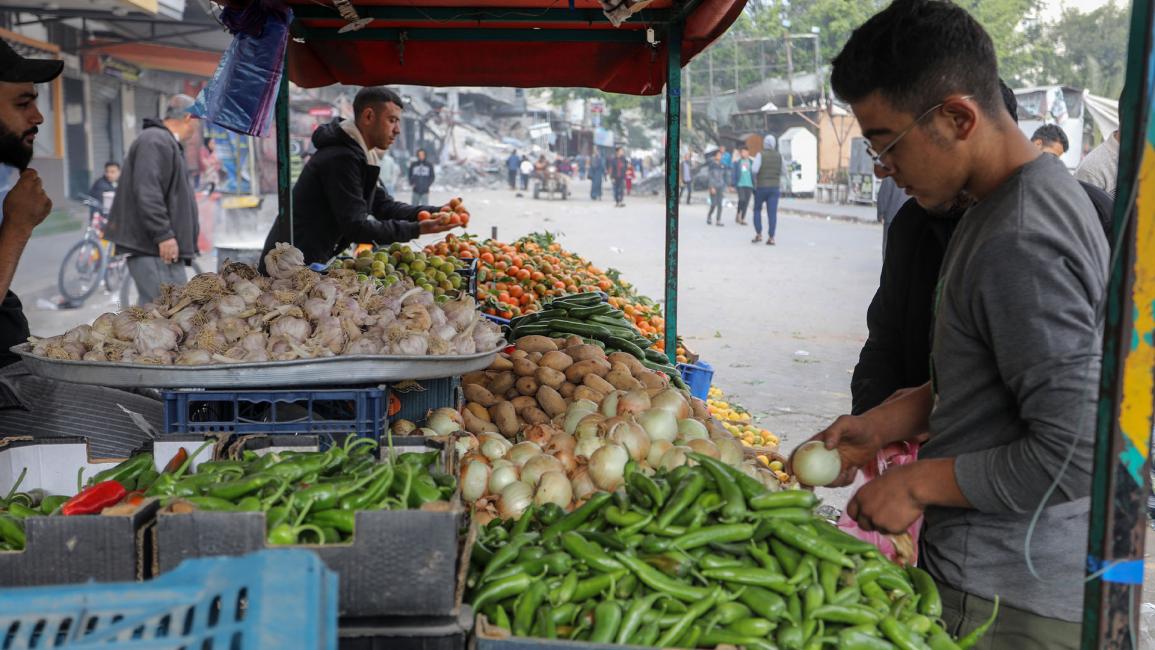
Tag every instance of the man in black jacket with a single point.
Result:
(154, 214)
(896, 354)
(336, 201)
(421, 178)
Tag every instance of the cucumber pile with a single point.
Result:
(588, 316)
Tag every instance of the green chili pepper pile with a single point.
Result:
(697, 557)
(310, 497)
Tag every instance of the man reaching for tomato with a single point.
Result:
(336, 200)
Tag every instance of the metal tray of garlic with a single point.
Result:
(294, 327)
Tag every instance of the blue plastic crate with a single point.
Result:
(698, 376)
(325, 413)
(496, 319)
(270, 599)
(419, 397)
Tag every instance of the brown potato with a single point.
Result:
(477, 377)
(577, 372)
(701, 411)
(535, 356)
(502, 383)
(560, 343)
(567, 390)
(478, 411)
(597, 383)
(536, 344)
(500, 363)
(585, 352)
(556, 360)
(585, 392)
(523, 401)
(573, 340)
(621, 378)
(524, 367)
(550, 400)
(479, 394)
(533, 415)
(652, 380)
(512, 393)
(527, 386)
(518, 354)
(549, 377)
(631, 362)
(505, 417)
(476, 425)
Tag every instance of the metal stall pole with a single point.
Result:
(284, 154)
(1121, 479)
(673, 162)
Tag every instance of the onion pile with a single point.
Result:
(557, 420)
(238, 316)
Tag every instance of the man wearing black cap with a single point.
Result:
(22, 197)
(154, 215)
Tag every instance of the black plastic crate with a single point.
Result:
(469, 274)
(419, 397)
(445, 633)
(323, 412)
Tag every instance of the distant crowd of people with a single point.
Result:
(618, 169)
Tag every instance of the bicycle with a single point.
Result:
(91, 261)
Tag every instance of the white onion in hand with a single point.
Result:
(816, 465)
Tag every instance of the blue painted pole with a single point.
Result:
(673, 148)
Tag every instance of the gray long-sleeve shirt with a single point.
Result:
(1015, 369)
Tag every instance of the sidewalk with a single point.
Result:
(842, 212)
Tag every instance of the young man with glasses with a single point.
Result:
(1017, 333)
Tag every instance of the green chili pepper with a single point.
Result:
(499, 590)
(21, 511)
(125, 472)
(564, 593)
(852, 639)
(901, 635)
(497, 616)
(763, 602)
(549, 513)
(751, 576)
(419, 460)
(794, 609)
(647, 635)
(875, 594)
(807, 543)
(812, 598)
(12, 532)
(846, 595)
(579, 516)
(623, 518)
(373, 493)
(659, 581)
(793, 515)
(283, 534)
(752, 627)
(603, 539)
(506, 554)
(784, 499)
(790, 637)
(715, 561)
(847, 614)
(720, 636)
(629, 531)
(940, 640)
(607, 620)
(713, 535)
(806, 570)
(276, 516)
(735, 506)
(523, 613)
(730, 611)
(595, 585)
(973, 638)
(692, 614)
(929, 600)
(221, 466)
(919, 624)
(342, 520)
(564, 614)
(894, 581)
(676, 565)
(632, 621)
(683, 497)
(828, 575)
(211, 504)
(649, 487)
(842, 540)
(234, 490)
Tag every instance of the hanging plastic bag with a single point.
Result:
(899, 548)
(243, 91)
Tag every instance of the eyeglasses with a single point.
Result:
(876, 156)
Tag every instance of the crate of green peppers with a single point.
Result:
(66, 518)
(388, 523)
(695, 558)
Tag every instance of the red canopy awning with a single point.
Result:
(519, 43)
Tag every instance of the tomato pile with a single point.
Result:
(515, 279)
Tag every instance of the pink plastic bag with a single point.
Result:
(899, 548)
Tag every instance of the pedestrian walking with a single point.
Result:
(617, 172)
(687, 176)
(511, 166)
(630, 174)
(744, 182)
(421, 176)
(154, 214)
(717, 183)
(524, 169)
(209, 166)
(389, 171)
(597, 174)
(767, 170)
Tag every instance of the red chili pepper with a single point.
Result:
(178, 459)
(134, 498)
(93, 499)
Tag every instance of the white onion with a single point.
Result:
(583, 485)
(444, 421)
(533, 468)
(674, 458)
(466, 444)
(575, 412)
(609, 406)
(483, 517)
(474, 480)
(587, 446)
(562, 442)
(816, 465)
(494, 446)
(673, 401)
(522, 452)
(704, 447)
(567, 459)
(608, 465)
(729, 451)
(428, 433)
(501, 477)
(589, 426)
(660, 424)
(403, 427)
(515, 498)
(691, 429)
(634, 401)
(553, 487)
(657, 449)
(632, 436)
